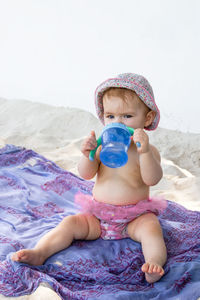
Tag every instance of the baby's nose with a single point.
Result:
(119, 119)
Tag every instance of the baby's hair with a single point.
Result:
(123, 93)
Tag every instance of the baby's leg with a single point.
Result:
(77, 227)
(146, 229)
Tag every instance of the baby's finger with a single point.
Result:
(93, 140)
(92, 133)
(91, 145)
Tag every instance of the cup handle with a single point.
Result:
(131, 130)
(92, 152)
(138, 144)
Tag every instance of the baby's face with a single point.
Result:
(131, 112)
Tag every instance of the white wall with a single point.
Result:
(58, 51)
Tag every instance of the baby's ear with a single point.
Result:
(149, 118)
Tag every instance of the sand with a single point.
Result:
(57, 133)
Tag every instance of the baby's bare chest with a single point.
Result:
(129, 173)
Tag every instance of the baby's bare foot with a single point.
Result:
(153, 272)
(29, 256)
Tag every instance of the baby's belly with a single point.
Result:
(120, 193)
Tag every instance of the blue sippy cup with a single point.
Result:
(115, 141)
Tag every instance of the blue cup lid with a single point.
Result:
(116, 125)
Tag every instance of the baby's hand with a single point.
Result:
(89, 144)
(141, 137)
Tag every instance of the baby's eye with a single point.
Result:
(110, 117)
(128, 116)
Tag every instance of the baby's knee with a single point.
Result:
(151, 224)
(77, 225)
(143, 224)
(72, 220)
(149, 219)
(82, 226)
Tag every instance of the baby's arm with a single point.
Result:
(149, 159)
(88, 169)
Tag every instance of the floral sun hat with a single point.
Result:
(134, 82)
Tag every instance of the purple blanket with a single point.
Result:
(35, 194)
